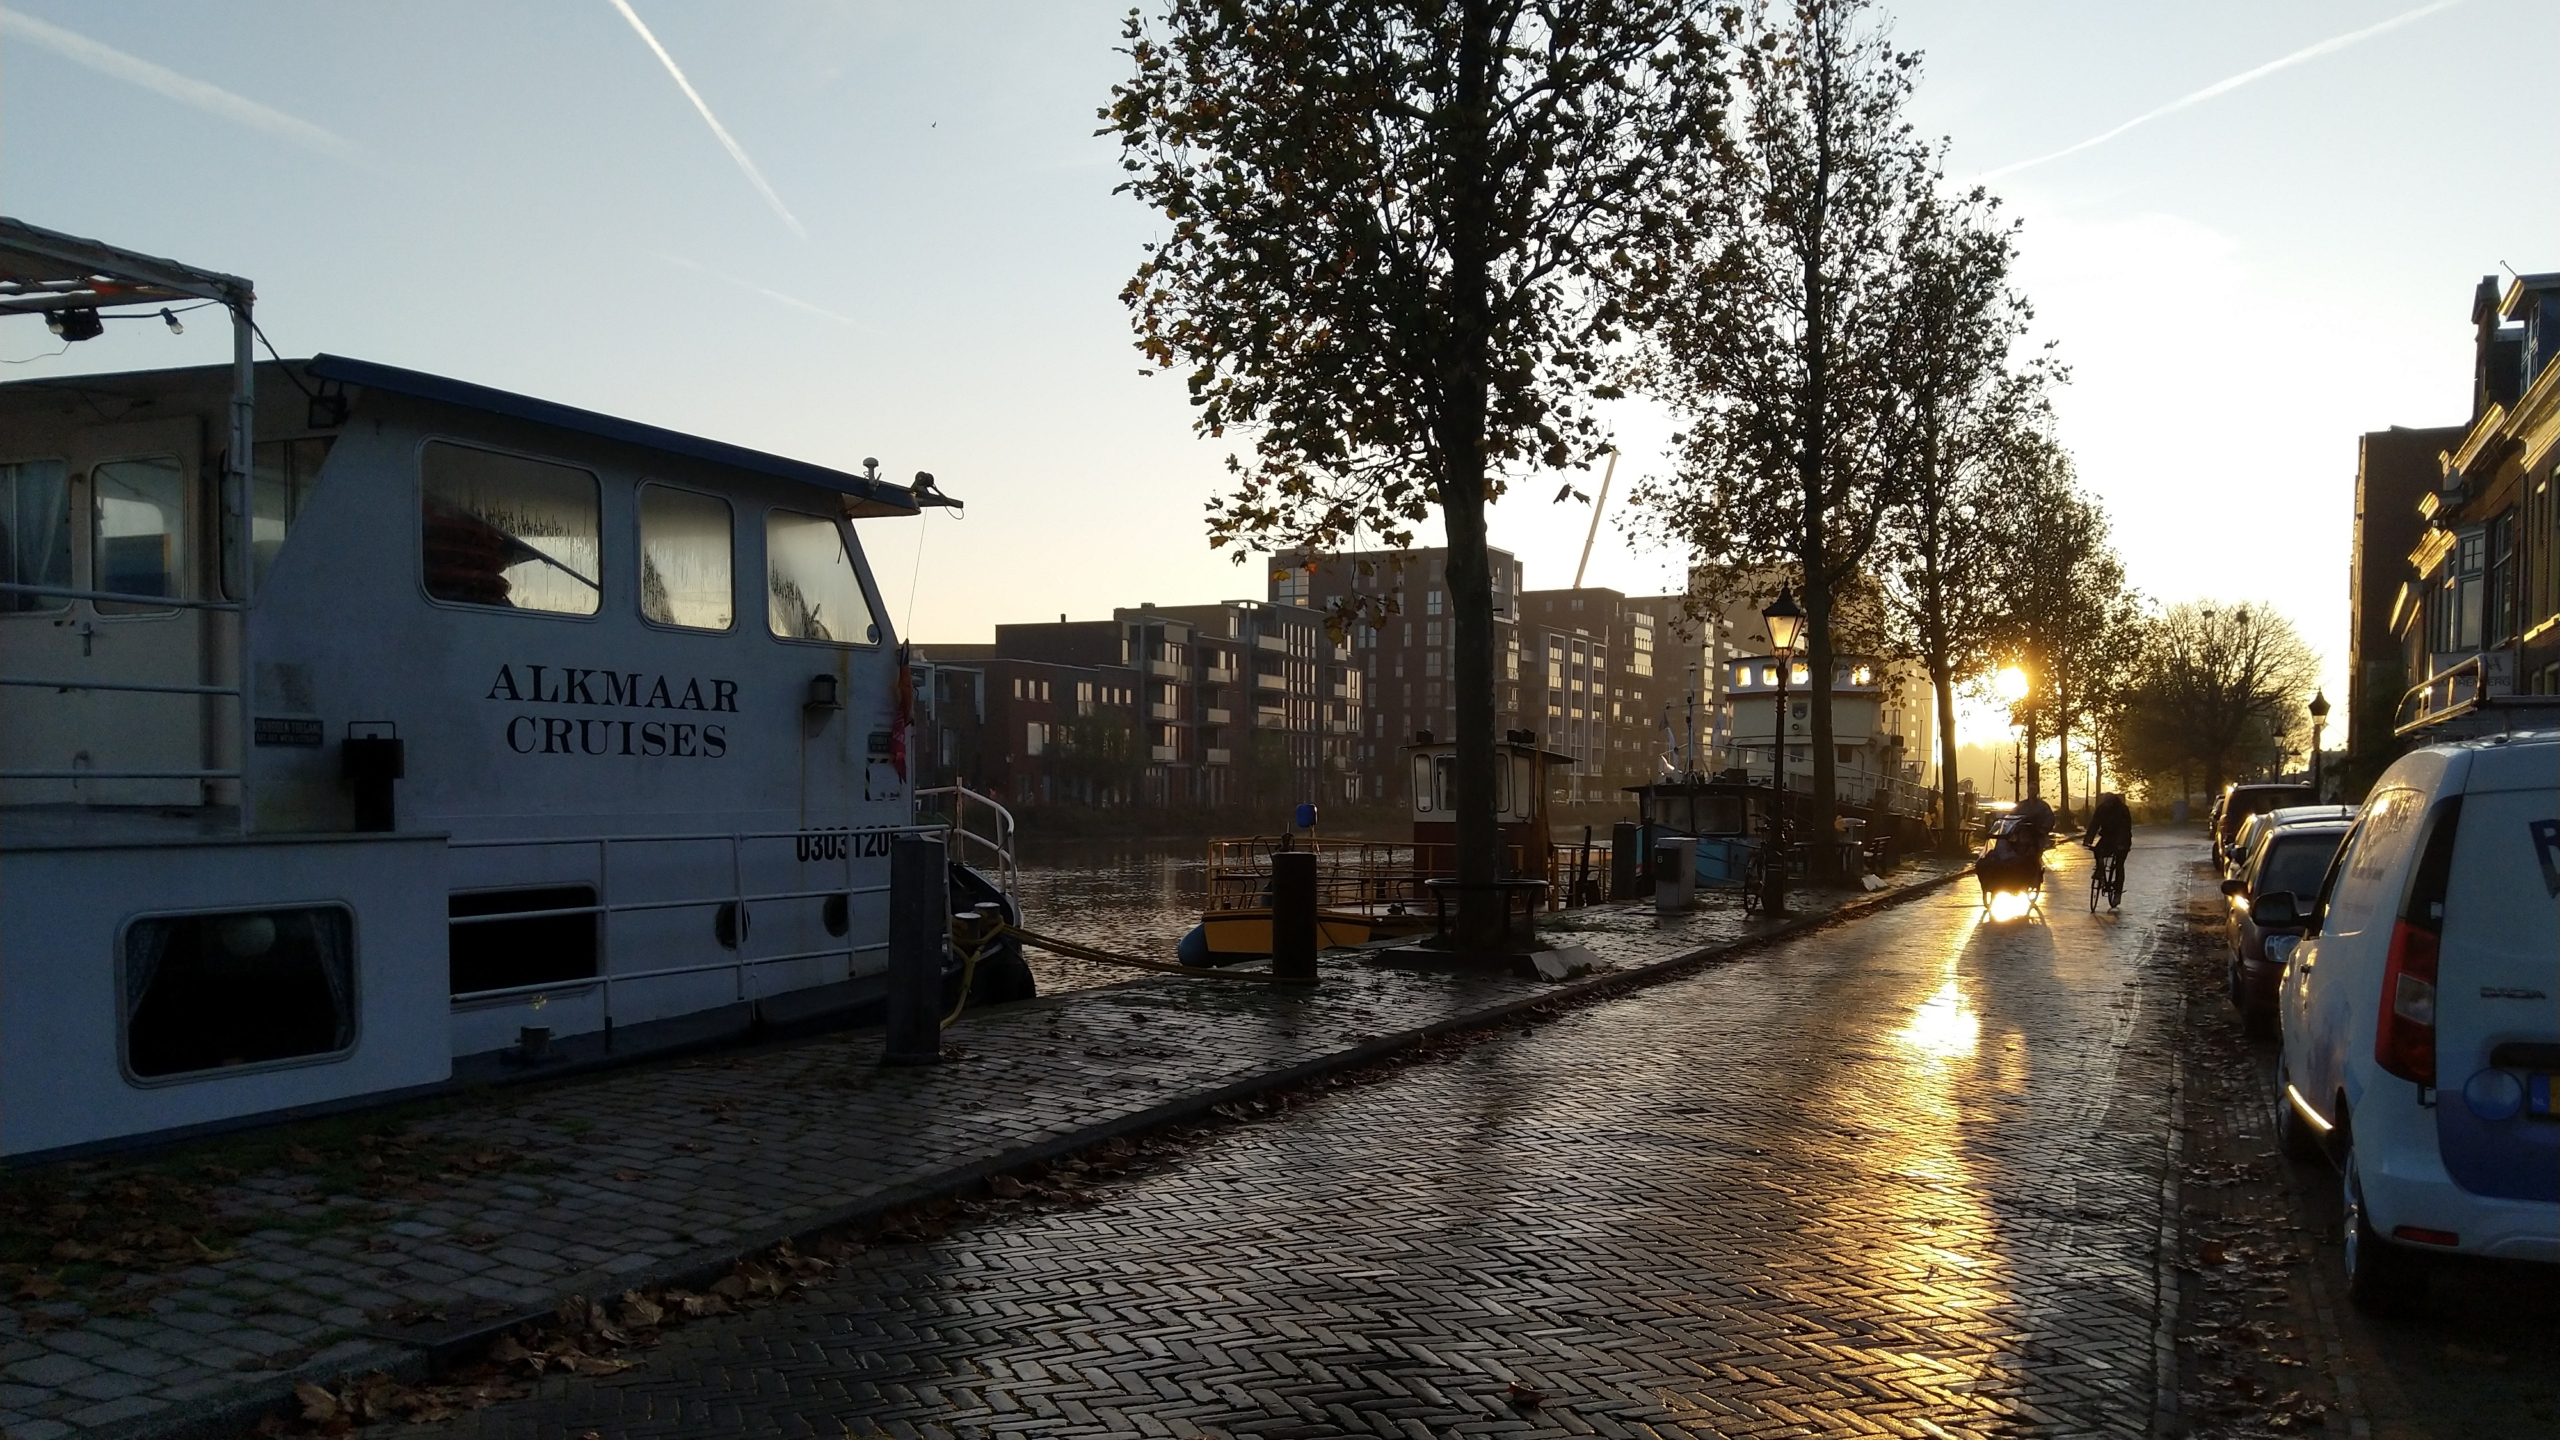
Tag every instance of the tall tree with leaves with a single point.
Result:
(1775, 339)
(2068, 617)
(2220, 688)
(1403, 242)
(1961, 423)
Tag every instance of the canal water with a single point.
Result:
(1131, 897)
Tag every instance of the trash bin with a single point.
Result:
(1675, 871)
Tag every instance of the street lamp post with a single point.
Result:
(1786, 626)
(2319, 719)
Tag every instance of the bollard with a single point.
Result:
(919, 909)
(1293, 915)
(1625, 859)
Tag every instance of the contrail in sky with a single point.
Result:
(2224, 87)
(736, 152)
(160, 80)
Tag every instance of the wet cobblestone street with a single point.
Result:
(1900, 1176)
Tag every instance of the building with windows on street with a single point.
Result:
(1404, 669)
(2476, 616)
(1237, 703)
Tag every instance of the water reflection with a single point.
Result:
(1131, 897)
(1945, 1026)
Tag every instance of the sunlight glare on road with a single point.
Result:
(2009, 905)
(1945, 1027)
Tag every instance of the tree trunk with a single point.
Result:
(2062, 763)
(1951, 835)
(1462, 486)
(2034, 781)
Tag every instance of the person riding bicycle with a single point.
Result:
(2110, 831)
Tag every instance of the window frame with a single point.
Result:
(418, 534)
(861, 580)
(183, 557)
(640, 551)
(227, 547)
(123, 1000)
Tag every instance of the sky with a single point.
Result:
(878, 230)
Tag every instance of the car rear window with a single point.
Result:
(2295, 864)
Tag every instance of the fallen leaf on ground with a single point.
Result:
(1523, 1396)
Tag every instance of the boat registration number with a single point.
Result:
(843, 845)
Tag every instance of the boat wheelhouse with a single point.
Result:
(479, 730)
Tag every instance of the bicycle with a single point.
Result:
(2106, 878)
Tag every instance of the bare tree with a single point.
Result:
(1777, 333)
(1404, 241)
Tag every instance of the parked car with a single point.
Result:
(2239, 802)
(2421, 1034)
(2244, 841)
(2288, 856)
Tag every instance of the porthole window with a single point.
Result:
(507, 531)
(812, 591)
(685, 568)
(207, 993)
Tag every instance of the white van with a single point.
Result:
(2421, 1015)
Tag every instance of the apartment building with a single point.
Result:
(1404, 670)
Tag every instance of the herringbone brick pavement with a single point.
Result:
(1898, 1178)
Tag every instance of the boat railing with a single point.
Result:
(734, 903)
(990, 848)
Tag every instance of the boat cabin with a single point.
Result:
(1523, 772)
(1875, 768)
(481, 730)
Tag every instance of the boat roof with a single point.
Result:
(890, 499)
(869, 495)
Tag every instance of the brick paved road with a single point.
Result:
(1900, 1177)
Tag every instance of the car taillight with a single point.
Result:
(2404, 1040)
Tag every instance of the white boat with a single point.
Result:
(365, 730)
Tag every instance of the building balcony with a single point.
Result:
(1158, 710)
(1215, 756)
(1271, 682)
(1342, 727)
(1271, 719)
(1215, 676)
(1165, 753)
(1276, 644)
(1164, 670)
(1216, 715)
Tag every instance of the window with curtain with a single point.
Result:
(208, 993)
(35, 532)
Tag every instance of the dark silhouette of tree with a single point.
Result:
(2219, 689)
(1963, 430)
(1402, 243)
(1776, 340)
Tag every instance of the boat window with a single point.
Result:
(35, 532)
(504, 530)
(1502, 791)
(1444, 782)
(537, 949)
(812, 591)
(205, 993)
(138, 529)
(281, 476)
(1524, 789)
(1422, 783)
(684, 559)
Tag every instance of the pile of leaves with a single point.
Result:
(80, 1230)
(582, 1337)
